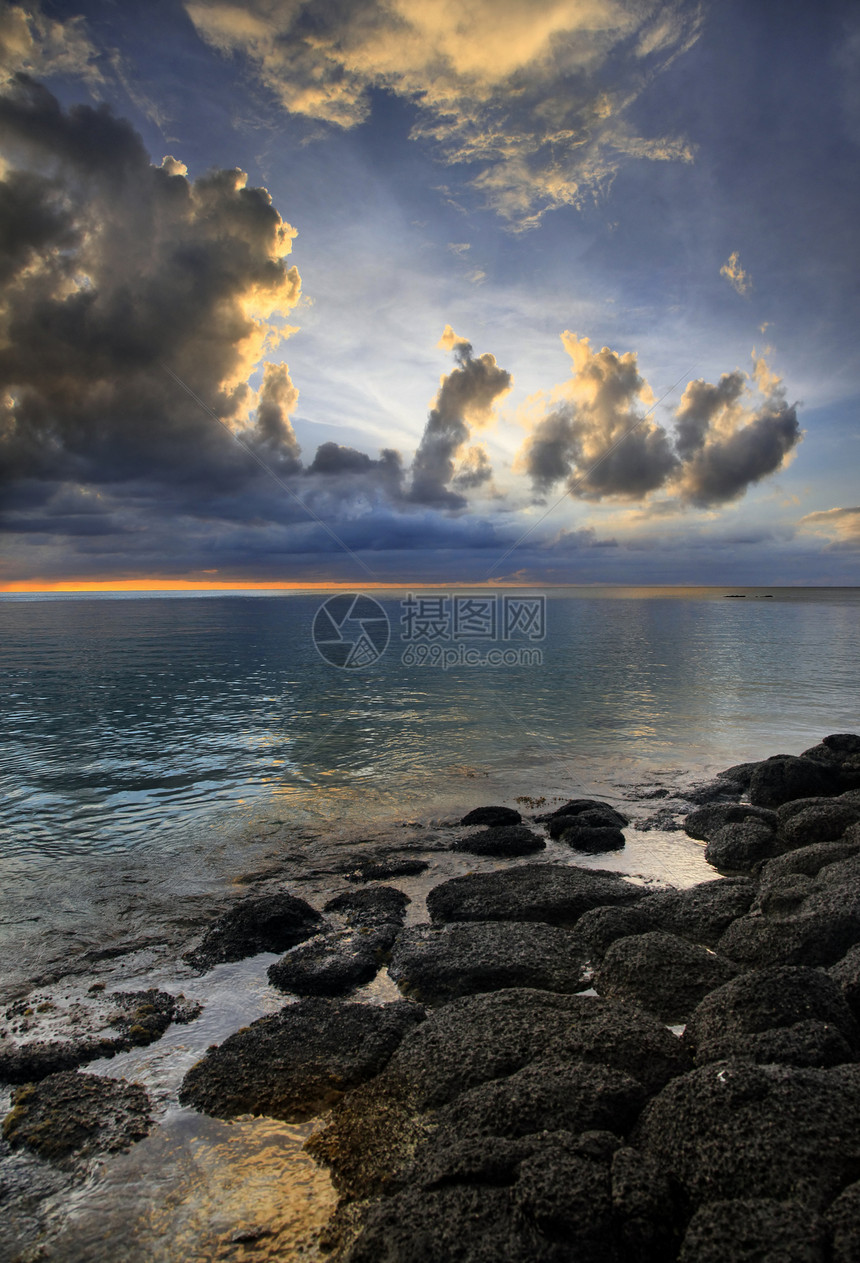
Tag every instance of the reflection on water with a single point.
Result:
(198, 1190)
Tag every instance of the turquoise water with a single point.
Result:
(164, 736)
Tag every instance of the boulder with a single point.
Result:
(332, 964)
(700, 913)
(371, 907)
(784, 778)
(577, 806)
(591, 818)
(502, 840)
(492, 817)
(755, 1230)
(809, 860)
(435, 963)
(662, 972)
(546, 1095)
(264, 923)
(553, 893)
(70, 1116)
(485, 1036)
(840, 753)
(298, 1062)
(593, 840)
(809, 820)
(740, 846)
(596, 931)
(384, 869)
(705, 822)
(738, 1130)
(789, 1014)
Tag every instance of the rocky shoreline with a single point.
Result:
(578, 1067)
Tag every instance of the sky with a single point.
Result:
(353, 291)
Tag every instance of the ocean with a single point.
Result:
(158, 750)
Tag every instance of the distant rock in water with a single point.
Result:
(502, 840)
(492, 817)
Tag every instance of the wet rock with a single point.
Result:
(435, 963)
(596, 931)
(738, 1130)
(666, 820)
(492, 817)
(266, 923)
(332, 964)
(809, 860)
(846, 974)
(503, 840)
(840, 753)
(138, 1017)
(298, 1062)
(582, 806)
(536, 1199)
(383, 870)
(740, 774)
(663, 972)
(593, 840)
(843, 1220)
(721, 790)
(70, 1116)
(788, 1014)
(701, 913)
(553, 893)
(483, 1037)
(545, 1096)
(704, 823)
(739, 847)
(806, 821)
(372, 907)
(755, 1231)
(780, 780)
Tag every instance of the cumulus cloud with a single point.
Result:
(465, 398)
(115, 268)
(594, 433)
(839, 524)
(727, 442)
(739, 279)
(537, 92)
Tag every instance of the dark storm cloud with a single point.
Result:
(475, 470)
(114, 268)
(466, 396)
(595, 434)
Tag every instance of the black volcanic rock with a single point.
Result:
(370, 908)
(740, 846)
(809, 820)
(298, 1062)
(790, 1014)
(593, 840)
(578, 806)
(738, 1130)
(264, 923)
(782, 779)
(755, 1230)
(71, 1115)
(332, 964)
(492, 817)
(700, 913)
(501, 840)
(664, 973)
(705, 822)
(433, 963)
(553, 893)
